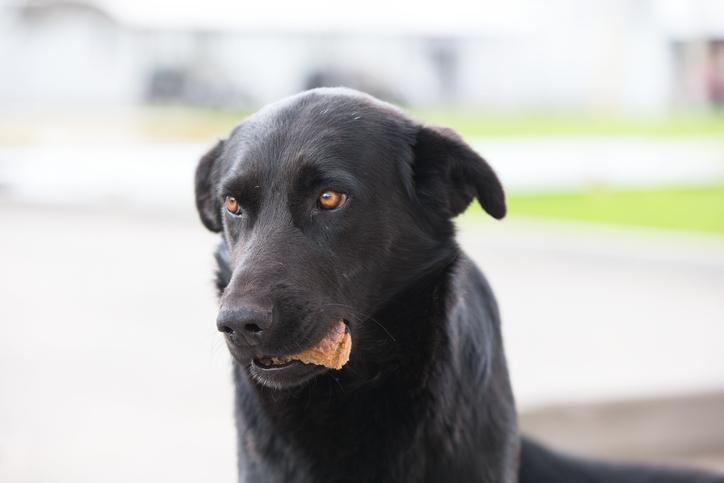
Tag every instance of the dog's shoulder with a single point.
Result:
(473, 319)
(471, 297)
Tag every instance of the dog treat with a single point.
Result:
(332, 351)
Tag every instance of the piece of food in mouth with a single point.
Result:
(332, 351)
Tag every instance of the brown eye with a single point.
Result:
(232, 205)
(330, 200)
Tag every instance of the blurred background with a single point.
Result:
(605, 121)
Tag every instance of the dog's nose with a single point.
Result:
(248, 322)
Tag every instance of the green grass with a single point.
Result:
(697, 209)
(476, 124)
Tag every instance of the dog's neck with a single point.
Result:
(345, 425)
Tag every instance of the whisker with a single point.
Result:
(361, 317)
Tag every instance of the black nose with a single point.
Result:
(247, 323)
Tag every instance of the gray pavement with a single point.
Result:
(111, 368)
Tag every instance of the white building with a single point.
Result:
(640, 56)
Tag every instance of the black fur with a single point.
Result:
(425, 396)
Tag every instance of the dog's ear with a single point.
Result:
(448, 172)
(207, 202)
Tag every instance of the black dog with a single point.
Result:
(336, 206)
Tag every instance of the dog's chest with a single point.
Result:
(365, 443)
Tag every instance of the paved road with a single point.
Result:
(111, 369)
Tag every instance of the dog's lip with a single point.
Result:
(293, 374)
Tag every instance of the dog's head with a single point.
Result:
(330, 203)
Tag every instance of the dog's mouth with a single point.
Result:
(268, 362)
(331, 352)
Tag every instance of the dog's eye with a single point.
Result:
(330, 200)
(232, 205)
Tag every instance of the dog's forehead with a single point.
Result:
(327, 130)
